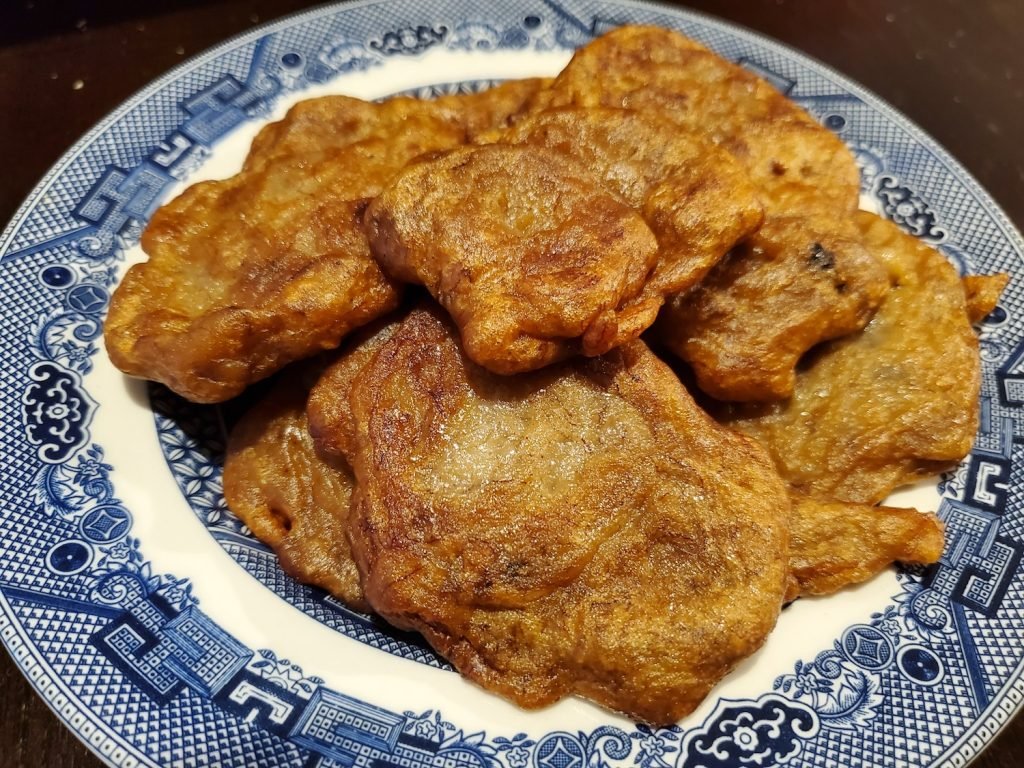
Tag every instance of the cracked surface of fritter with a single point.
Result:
(249, 273)
(582, 529)
(293, 499)
(834, 544)
(695, 197)
(531, 256)
(898, 400)
(794, 283)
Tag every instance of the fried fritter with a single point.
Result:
(252, 272)
(793, 284)
(495, 107)
(982, 292)
(798, 282)
(695, 197)
(582, 529)
(896, 401)
(777, 293)
(834, 544)
(315, 127)
(795, 161)
(534, 260)
(292, 498)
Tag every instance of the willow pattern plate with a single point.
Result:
(162, 633)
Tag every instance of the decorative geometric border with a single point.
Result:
(100, 562)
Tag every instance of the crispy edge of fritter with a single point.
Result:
(982, 293)
(273, 479)
(834, 544)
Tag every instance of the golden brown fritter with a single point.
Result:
(695, 197)
(582, 529)
(808, 182)
(834, 543)
(896, 401)
(252, 272)
(292, 498)
(534, 260)
(795, 161)
(982, 292)
(796, 282)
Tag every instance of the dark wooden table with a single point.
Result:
(955, 67)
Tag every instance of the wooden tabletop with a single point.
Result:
(954, 67)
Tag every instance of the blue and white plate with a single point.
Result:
(163, 634)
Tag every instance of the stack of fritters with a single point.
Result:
(507, 467)
(248, 274)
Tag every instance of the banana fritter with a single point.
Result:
(293, 498)
(583, 529)
(834, 544)
(896, 401)
(532, 257)
(815, 274)
(777, 284)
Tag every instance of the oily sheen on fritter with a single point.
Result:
(271, 265)
(834, 544)
(898, 400)
(533, 258)
(583, 529)
(695, 197)
(807, 181)
(293, 498)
